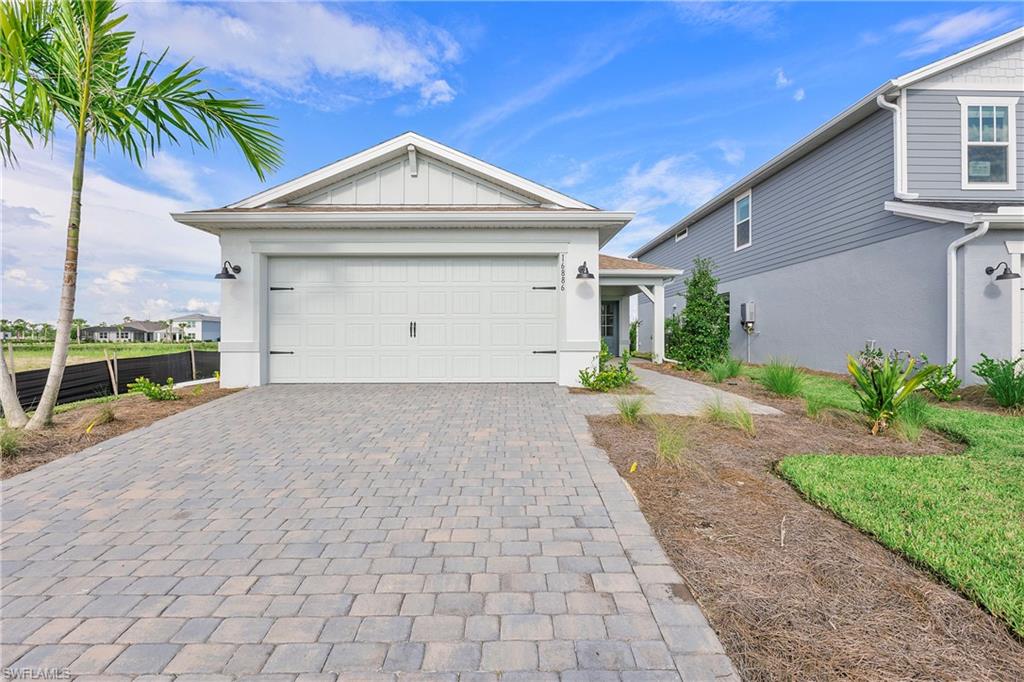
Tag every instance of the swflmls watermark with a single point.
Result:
(36, 673)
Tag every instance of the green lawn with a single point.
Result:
(960, 516)
(37, 355)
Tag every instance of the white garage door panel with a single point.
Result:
(348, 319)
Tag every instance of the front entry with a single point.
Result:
(610, 325)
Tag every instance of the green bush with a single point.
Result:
(1004, 380)
(782, 378)
(699, 335)
(630, 409)
(607, 376)
(154, 391)
(884, 383)
(634, 328)
(724, 369)
(943, 384)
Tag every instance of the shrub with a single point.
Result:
(782, 378)
(607, 376)
(943, 384)
(630, 409)
(912, 418)
(699, 335)
(1003, 379)
(154, 391)
(736, 417)
(10, 443)
(634, 328)
(724, 369)
(883, 383)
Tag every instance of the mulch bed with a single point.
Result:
(793, 592)
(631, 389)
(67, 435)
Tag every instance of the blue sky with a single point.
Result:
(644, 107)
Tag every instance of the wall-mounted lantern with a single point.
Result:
(1006, 274)
(583, 273)
(228, 271)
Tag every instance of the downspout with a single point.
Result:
(951, 290)
(897, 147)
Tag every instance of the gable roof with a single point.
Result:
(846, 119)
(197, 316)
(394, 148)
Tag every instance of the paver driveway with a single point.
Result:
(372, 532)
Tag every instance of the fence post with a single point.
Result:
(111, 371)
(192, 352)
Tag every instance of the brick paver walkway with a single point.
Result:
(440, 532)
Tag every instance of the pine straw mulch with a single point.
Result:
(793, 592)
(68, 436)
(629, 389)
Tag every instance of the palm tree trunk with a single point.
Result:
(13, 414)
(44, 410)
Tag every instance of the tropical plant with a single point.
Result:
(728, 368)
(1004, 381)
(607, 376)
(630, 410)
(68, 60)
(782, 378)
(153, 390)
(943, 384)
(884, 382)
(701, 334)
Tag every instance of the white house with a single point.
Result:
(414, 262)
(197, 327)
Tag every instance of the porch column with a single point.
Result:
(623, 317)
(658, 346)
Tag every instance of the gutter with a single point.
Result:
(899, 160)
(951, 290)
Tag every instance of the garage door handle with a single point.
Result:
(282, 352)
(544, 352)
(414, 330)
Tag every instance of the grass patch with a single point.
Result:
(912, 418)
(725, 369)
(37, 355)
(959, 516)
(736, 417)
(782, 378)
(630, 410)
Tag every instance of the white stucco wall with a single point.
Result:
(243, 300)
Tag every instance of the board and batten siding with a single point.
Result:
(830, 201)
(934, 146)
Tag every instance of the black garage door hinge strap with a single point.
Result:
(544, 352)
(282, 352)
(282, 288)
(545, 288)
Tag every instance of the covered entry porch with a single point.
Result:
(620, 279)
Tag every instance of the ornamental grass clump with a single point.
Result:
(728, 368)
(884, 382)
(782, 378)
(630, 410)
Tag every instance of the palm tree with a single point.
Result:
(77, 325)
(67, 59)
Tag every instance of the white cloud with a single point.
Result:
(945, 31)
(781, 80)
(19, 277)
(116, 281)
(732, 151)
(799, 94)
(306, 51)
(759, 18)
(128, 242)
(177, 176)
(198, 305)
(579, 172)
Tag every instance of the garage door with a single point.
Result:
(412, 319)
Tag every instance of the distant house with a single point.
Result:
(899, 222)
(197, 327)
(131, 330)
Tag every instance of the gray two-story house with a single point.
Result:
(900, 221)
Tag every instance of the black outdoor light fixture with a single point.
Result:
(1007, 273)
(228, 271)
(583, 273)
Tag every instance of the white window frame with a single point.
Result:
(682, 234)
(748, 195)
(1011, 156)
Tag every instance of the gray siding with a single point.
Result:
(933, 146)
(828, 202)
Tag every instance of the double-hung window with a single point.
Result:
(988, 140)
(741, 233)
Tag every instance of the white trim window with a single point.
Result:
(742, 234)
(682, 234)
(988, 142)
